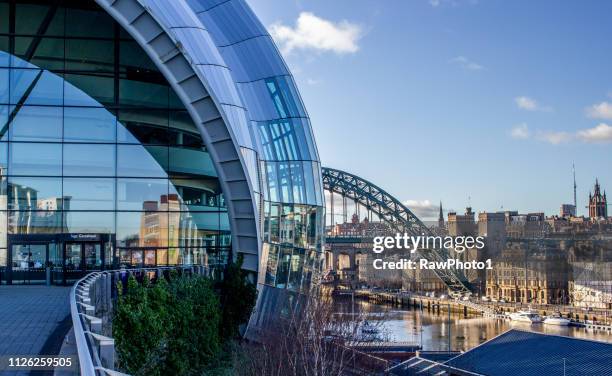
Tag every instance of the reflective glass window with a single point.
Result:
(309, 183)
(89, 160)
(274, 219)
(182, 123)
(80, 89)
(192, 229)
(34, 193)
(89, 125)
(3, 158)
(142, 229)
(88, 23)
(197, 194)
(4, 19)
(284, 179)
(143, 127)
(36, 123)
(174, 256)
(273, 191)
(32, 86)
(137, 161)
(162, 256)
(35, 222)
(45, 53)
(89, 222)
(295, 268)
(272, 263)
(297, 181)
(4, 88)
(143, 94)
(142, 194)
(35, 159)
(132, 59)
(284, 263)
(89, 194)
(90, 55)
(191, 161)
(4, 56)
(40, 18)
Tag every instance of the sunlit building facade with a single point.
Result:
(145, 132)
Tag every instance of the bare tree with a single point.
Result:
(314, 340)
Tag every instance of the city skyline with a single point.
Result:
(491, 109)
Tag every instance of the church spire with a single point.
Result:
(575, 201)
(441, 217)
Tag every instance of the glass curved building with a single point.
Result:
(153, 132)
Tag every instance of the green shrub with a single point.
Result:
(181, 326)
(167, 327)
(238, 297)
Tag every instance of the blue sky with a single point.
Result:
(451, 99)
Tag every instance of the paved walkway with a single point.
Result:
(33, 319)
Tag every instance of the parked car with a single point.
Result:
(443, 297)
(485, 299)
(502, 300)
(465, 298)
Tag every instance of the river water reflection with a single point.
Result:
(404, 324)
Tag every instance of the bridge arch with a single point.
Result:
(391, 211)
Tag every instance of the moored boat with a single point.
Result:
(529, 316)
(556, 320)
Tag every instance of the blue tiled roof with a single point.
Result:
(523, 353)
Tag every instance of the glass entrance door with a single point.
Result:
(28, 262)
(82, 257)
(93, 256)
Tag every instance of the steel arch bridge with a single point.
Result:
(396, 215)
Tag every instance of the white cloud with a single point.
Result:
(466, 63)
(601, 110)
(554, 138)
(453, 3)
(520, 131)
(315, 33)
(530, 104)
(312, 81)
(423, 209)
(600, 133)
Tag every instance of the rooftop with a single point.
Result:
(518, 353)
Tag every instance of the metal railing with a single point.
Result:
(91, 306)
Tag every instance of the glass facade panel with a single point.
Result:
(89, 148)
(35, 87)
(81, 21)
(35, 159)
(89, 55)
(143, 94)
(34, 193)
(35, 222)
(99, 89)
(39, 18)
(134, 160)
(142, 194)
(89, 222)
(46, 53)
(89, 160)
(89, 193)
(4, 77)
(89, 125)
(142, 229)
(36, 123)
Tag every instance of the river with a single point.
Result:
(405, 325)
